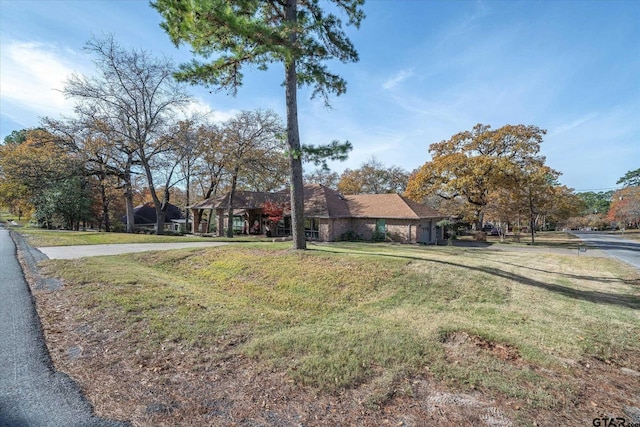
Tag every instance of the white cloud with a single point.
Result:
(200, 108)
(222, 116)
(398, 78)
(572, 125)
(33, 74)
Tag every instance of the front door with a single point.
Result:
(425, 233)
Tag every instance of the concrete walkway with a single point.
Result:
(32, 393)
(69, 252)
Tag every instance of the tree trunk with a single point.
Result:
(293, 139)
(234, 182)
(478, 220)
(209, 221)
(186, 214)
(532, 219)
(129, 208)
(160, 206)
(128, 195)
(162, 212)
(105, 207)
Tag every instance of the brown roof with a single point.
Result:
(242, 200)
(388, 206)
(323, 202)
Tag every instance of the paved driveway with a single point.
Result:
(32, 393)
(68, 252)
(614, 246)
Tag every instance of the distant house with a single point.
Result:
(145, 217)
(328, 216)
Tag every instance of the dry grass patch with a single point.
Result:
(351, 334)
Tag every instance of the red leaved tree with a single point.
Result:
(274, 211)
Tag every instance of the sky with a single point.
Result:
(427, 70)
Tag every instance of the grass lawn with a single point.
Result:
(42, 238)
(629, 234)
(347, 334)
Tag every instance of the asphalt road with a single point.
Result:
(68, 252)
(32, 393)
(614, 246)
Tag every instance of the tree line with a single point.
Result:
(67, 172)
(64, 175)
(613, 208)
(131, 133)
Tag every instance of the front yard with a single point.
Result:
(348, 334)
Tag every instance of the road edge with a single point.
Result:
(28, 258)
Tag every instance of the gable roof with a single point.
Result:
(388, 206)
(323, 202)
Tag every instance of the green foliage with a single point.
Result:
(259, 33)
(630, 179)
(319, 155)
(16, 137)
(63, 205)
(596, 203)
(450, 228)
(39, 175)
(378, 236)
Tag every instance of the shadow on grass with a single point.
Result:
(620, 246)
(619, 299)
(631, 282)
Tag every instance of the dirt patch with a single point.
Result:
(594, 388)
(455, 341)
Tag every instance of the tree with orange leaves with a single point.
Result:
(625, 207)
(472, 164)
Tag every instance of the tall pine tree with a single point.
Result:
(230, 34)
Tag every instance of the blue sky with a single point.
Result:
(427, 70)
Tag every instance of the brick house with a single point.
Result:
(329, 216)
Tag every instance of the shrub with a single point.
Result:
(349, 236)
(378, 236)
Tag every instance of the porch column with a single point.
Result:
(196, 215)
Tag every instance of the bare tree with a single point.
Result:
(325, 177)
(253, 141)
(137, 98)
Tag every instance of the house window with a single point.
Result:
(311, 228)
(283, 227)
(238, 224)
